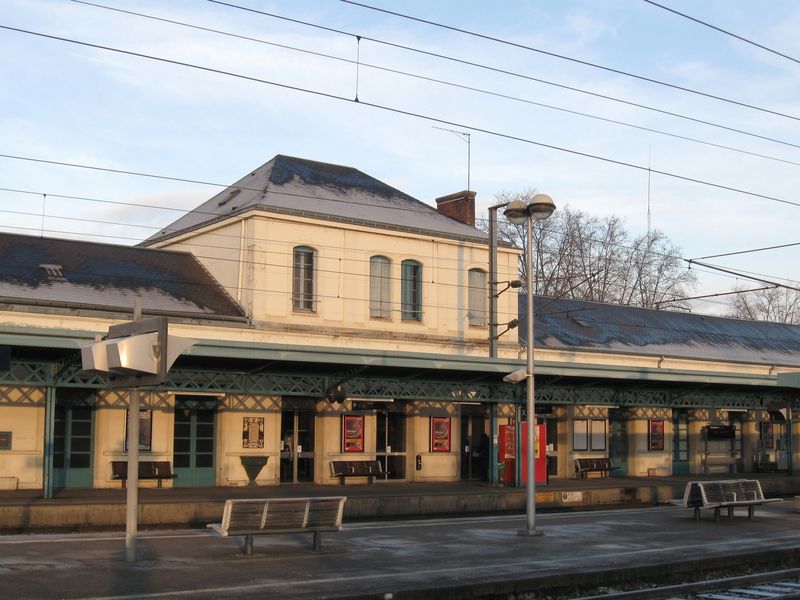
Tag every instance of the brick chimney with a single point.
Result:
(459, 206)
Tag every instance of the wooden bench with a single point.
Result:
(356, 468)
(593, 465)
(723, 494)
(148, 469)
(247, 517)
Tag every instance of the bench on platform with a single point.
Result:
(356, 468)
(148, 469)
(723, 494)
(247, 517)
(601, 465)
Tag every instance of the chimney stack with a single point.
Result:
(459, 206)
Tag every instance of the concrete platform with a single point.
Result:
(467, 557)
(75, 509)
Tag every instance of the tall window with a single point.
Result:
(303, 278)
(476, 311)
(379, 287)
(411, 290)
(589, 434)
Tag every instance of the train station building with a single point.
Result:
(337, 318)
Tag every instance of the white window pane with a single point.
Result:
(580, 434)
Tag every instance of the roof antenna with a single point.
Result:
(44, 204)
(649, 172)
(466, 136)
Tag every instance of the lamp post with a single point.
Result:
(540, 207)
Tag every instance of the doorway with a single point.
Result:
(680, 442)
(390, 442)
(475, 445)
(73, 439)
(618, 450)
(194, 441)
(297, 446)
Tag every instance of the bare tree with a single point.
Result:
(777, 304)
(589, 258)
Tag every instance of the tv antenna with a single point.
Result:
(466, 136)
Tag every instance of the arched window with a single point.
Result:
(478, 295)
(411, 290)
(380, 302)
(303, 275)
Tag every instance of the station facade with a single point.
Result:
(337, 318)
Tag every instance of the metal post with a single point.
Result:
(493, 281)
(132, 507)
(531, 404)
(49, 439)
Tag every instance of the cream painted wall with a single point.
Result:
(24, 460)
(109, 434)
(230, 471)
(436, 466)
(343, 251)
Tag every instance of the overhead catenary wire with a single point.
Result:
(358, 63)
(568, 58)
(385, 108)
(725, 31)
(502, 72)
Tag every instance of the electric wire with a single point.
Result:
(440, 81)
(568, 58)
(394, 110)
(508, 73)
(725, 31)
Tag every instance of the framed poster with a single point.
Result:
(252, 432)
(656, 436)
(352, 433)
(145, 430)
(440, 434)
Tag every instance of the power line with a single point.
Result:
(571, 59)
(507, 72)
(382, 108)
(439, 81)
(725, 31)
(778, 247)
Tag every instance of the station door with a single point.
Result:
(194, 441)
(73, 439)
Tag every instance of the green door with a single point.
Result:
(72, 440)
(194, 442)
(680, 442)
(618, 451)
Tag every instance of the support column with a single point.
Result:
(49, 441)
(132, 507)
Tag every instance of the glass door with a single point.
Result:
(618, 450)
(72, 440)
(297, 446)
(680, 442)
(474, 447)
(390, 442)
(194, 442)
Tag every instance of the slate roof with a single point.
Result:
(580, 325)
(320, 190)
(79, 274)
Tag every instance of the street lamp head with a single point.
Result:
(541, 207)
(516, 212)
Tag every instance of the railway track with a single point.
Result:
(771, 585)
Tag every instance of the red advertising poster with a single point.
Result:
(440, 434)
(353, 433)
(656, 436)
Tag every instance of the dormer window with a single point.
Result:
(53, 271)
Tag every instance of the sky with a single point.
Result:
(274, 85)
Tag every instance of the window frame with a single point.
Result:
(380, 287)
(411, 290)
(477, 298)
(592, 432)
(304, 279)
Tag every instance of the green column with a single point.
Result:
(49, 438)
